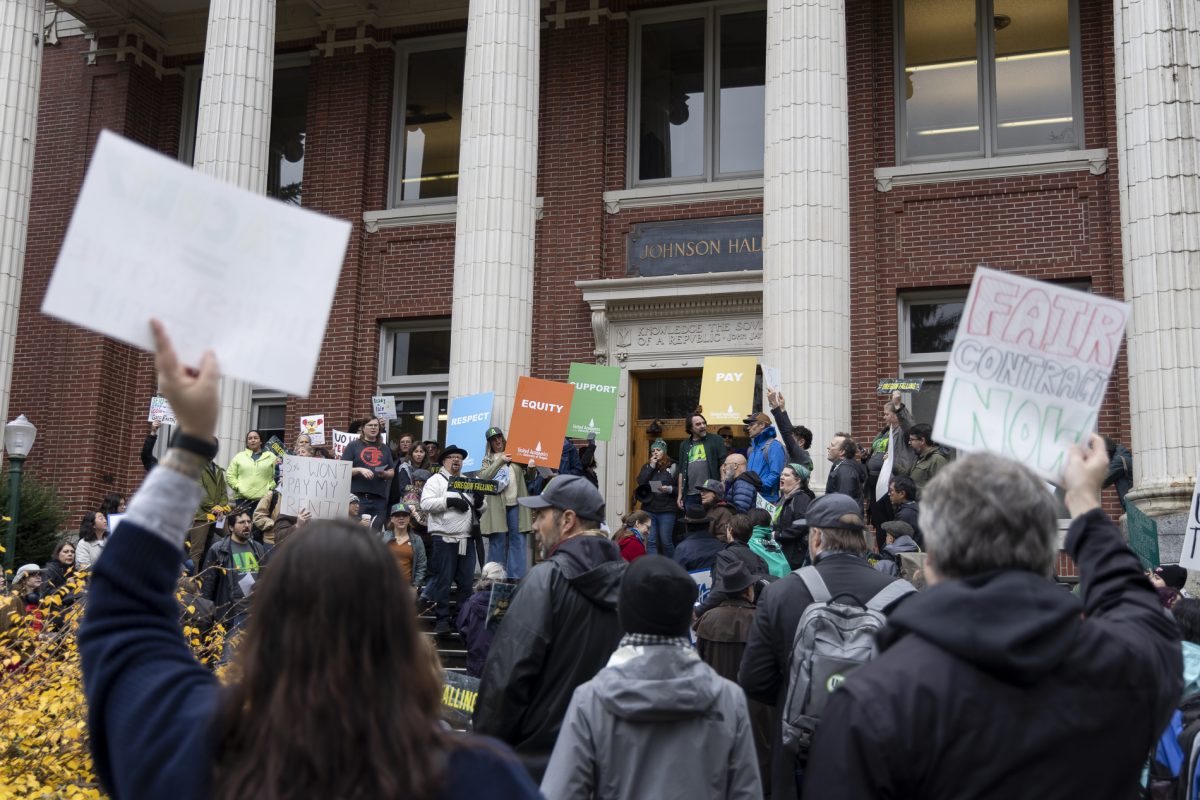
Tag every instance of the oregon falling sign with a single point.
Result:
(1029, 369)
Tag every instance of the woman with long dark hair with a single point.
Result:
(93, 537)
(251, 472)
(337, 694)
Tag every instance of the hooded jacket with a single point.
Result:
(558, 632)
(742, 490)
(888, 565)
(653, 709)
(767, 458)
(1016, 688)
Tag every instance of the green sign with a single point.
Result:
(595, 402)
(1143, 535)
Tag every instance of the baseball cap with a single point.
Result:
(715, 486)
(759, 417)
(569, 492)
(401, 508)
(28, 569)
(826, 512)
(492, 433)
(897, 528)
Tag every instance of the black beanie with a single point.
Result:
(656, 597)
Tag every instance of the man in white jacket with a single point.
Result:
(450, 520)
(655, 705)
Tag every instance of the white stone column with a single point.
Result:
(497, 184)
(21, 24)
(1158, 133)
(232, 134)
(806, 216)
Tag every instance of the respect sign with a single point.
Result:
(1029, 368)
(727, 389)
(595, 401)
(321, 485)
(470, 418)
(539, 421)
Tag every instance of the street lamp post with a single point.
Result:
(18, 441)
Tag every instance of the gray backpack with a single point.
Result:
(832, 639)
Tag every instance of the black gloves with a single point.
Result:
(458, 504)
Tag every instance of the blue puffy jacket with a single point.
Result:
(767, 458)
(742, 491)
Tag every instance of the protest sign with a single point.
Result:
(469, 419)
(1143, 536)
(539, 422)
(459, 693)
(143, 221)
(498, 603)
(766, 505)
(1029, 368)
(703, 579)
(340, 439)
(161, 411)
(474, 485)
(276, 446)
(595, 401)
(772, 379)
(322, 485)
(889, 385)
(727, 389)
(1190, 558)
(384, 406)
(313, 426)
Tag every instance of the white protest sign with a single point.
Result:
(313, 426)
(321, 485)
(771, 378)
(1029, 369)
(144, 221)
(766, 505)
(384, 407)
(161, 411)
(1190, 557)
(703, 579)
(340, 440)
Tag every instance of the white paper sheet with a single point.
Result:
(144, 222)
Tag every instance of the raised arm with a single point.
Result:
(149, 701)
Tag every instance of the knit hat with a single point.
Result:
(801, 470)
(659, 444)
(656, 597)
(1172, 575)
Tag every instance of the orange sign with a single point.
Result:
(539, 422)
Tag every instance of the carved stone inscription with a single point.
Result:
(725, 333)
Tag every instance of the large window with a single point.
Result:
(414, 368)
(428, 119)
(966, 89)
(289, 117)
(698, 94)
(267, 412)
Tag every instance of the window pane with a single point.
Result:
(409, 417)
(421, 352)
(743, 78)
(941, 78)
(671, 133)
(432, 124)
(671, 397)
(289, 112)
(1033, 74)
(932, 327)
(270, 416)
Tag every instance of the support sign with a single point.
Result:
(595, 401)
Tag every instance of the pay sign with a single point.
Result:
(727, 389)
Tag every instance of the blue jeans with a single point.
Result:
(508, 549)
(662, 529)
(449, 565)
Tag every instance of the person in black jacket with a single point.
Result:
(837, 544)
(699, 548)
(797, 439)
(903, 494)
(1015, 687)
(560, 628)
(736, 551)
(660, 503)
(847, 476)
(790, 531)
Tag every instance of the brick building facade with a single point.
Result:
(917, 229)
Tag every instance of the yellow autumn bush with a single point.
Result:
(43, 716)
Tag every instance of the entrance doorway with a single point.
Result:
(663, 399)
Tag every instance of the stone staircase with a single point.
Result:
(451, 649)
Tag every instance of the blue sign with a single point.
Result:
(470, 417)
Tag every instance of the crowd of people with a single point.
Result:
(759, 638)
